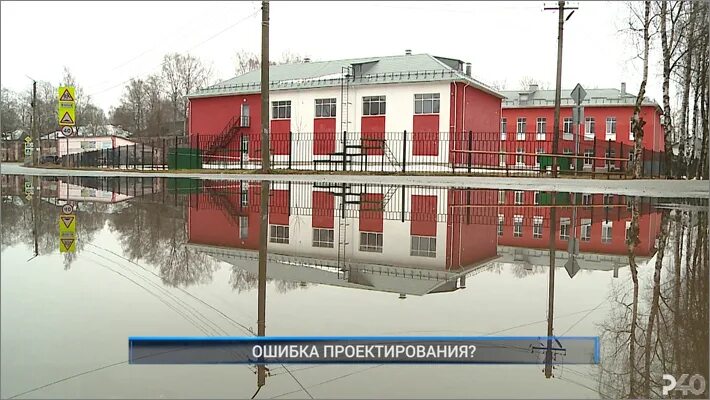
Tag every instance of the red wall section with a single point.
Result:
(279, 207)
(477, 111)
(425, 135)
(280, 136)
(423, 215)
(373, 128)
(371, 214)
(471, 235)
(323, 209)
(323, 136)
(210, 115)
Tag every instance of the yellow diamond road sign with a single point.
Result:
(28, 139)
(67, 223)
(67, 117)
(66, 93)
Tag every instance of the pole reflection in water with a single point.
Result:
(263, 241)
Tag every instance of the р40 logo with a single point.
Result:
(695, 384)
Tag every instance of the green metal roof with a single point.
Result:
(546, 98)
(371, 70)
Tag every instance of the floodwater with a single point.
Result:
(179, 257)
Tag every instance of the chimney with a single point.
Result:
(623, 89)
(468, 69)
(533, 87)
(306, 60)
(408, 52)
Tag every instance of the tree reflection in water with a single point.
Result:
(671, 332)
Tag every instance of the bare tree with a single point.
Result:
(638, 122)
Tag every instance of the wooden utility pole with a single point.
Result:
(265, 159)
(263, 254)
(558, 84)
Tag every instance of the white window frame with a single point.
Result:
(537, 227)
(279, 234)
(586, 230)
(610, 133)
(374, 105)
(565, 228)
(586, 199)
(281, 109)
(541, 128)
(607, 230)
(590, 128)
(501, 221)
(588, 154)
(536, 197)
(519, 157)
(323, 237)
(503, 129)
(427, 103)
(539, 150)
(567, 129)
(519, 193)
(517, 226)
(631, 129)
(501, 197)
(422, 246)
(376, 238)
(520, 129)
(326, 108)
(628, 227)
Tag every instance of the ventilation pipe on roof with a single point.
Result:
(306, 60)
(533, 87)
(407, 52)
(468, 69)
(623, 88)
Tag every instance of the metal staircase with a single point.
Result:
(222, 140)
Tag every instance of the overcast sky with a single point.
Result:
(106, 43)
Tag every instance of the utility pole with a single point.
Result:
(558, 85)
(35, 137)
(263, 254)
(265, 161)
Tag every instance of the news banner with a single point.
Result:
(364, 350)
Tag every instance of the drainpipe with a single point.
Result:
(452, 124)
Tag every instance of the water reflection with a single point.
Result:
(406, 241)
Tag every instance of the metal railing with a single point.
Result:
(480, 153)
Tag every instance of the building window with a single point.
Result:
(567, 129)
(589, 128)
(245, 145)
(243, 227)
(281, 109)
(631, 129)
(537, 198)
(518, 226)
(564, 228)
(423, 246)
(586, 199)
(501, 197)
(244, 197)
(503, 128)
(519, 156)
(518, 197)
(586, 234)
(537, 227)
(541, 128)
(278, 234)
(520, 132)
(501, 159)
(371, 242)
(537, 158)
(373, 105)
(608, 199)
(325, 108)
(323, 238)
(427, 103)
(500, 224)
(628, 230)
(588, 154)
(610, 128)
(606, 231)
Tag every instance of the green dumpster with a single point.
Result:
(563, 163)
(183, 185)
(184, 158)
(545, 161)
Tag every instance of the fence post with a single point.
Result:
(198, 151)
(163, 158)
(175, 150)
(142, 155)
(404, 151)
(345, 133)
(117, 160)
(135, 160)
(241, 149)
(290, 148)
(621, 155)
(608, 154)
(594, 156)
(470, 149)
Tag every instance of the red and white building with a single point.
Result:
(528, 118)
(374, 100)
(407, 240)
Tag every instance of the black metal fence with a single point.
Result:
(518, 154)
